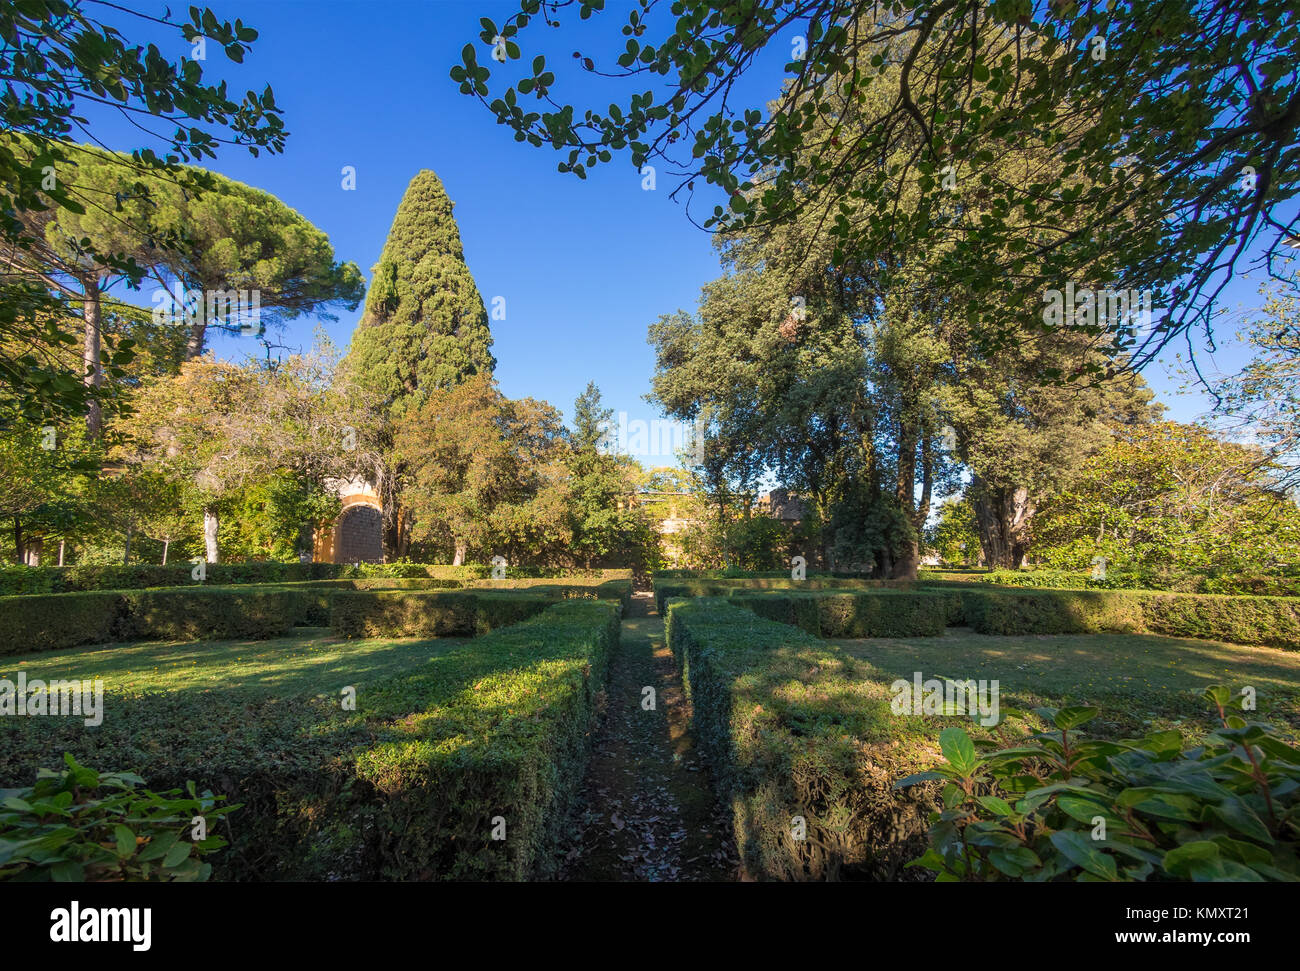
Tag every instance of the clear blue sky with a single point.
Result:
(584, 266)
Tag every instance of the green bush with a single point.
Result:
(667, 588)
(405, 787)
(45, 623)
(84, 826)
(881, 613)
(1272, 621)
(22, 580)
(192, 615)
(400, 614)
(794, 727)
(1064, 807)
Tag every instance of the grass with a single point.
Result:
(310, 661)
(1139, 681)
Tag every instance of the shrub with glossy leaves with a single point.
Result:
(1066, 807)
(77, 824)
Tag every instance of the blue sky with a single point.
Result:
(584, 267)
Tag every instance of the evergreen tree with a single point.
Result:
(425, 326)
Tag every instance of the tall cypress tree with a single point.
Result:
(424, 325)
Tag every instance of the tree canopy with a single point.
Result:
(425, 327)
(1179, 122)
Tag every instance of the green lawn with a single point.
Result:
(312, 660)
(1137, 680)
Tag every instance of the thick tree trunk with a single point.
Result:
(91, 356)
(166, 544)
(1003, 515)
(210, 526)
(459, 558)
(33, 550)
(198, 337)
(61, 543)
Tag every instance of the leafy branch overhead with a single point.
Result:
(1172, 130)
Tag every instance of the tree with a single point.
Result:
(602, 486)
(61, 62)
(219, 429)
(42, 472)
(1188, 152)
(1168, 498)
(425, 327)
(1263, 400)
(485, 475)
(231, 239)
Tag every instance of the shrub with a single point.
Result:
(1273, 621)
(191, 615)
(393, 614)
(876, 614)
(668, 588)
(406, 787)
(794, 727)
(1064, 807)
(45, 623)
(80, 825)
(22, 580)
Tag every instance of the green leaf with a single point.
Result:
(959, 750)
(125, 840)
(1083, 852)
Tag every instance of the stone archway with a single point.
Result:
(359, 536)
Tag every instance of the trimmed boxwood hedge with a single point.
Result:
(20, 580)
(44, 623)
(402, 614)
(882, 613)
(668, 588)
(792, 726)
(406, 787)
(1271, 621)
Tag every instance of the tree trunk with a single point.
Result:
(1003, 515)
(198, 336)
(907, 562)
(461, 550)
(210, 526)
(32, 551)
(166, 544)
(20, 555)
(61, 542)
(126, 557)
(94, 369)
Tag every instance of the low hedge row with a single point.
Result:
(210, 611)
(668, 588)
(44, 623)
(883, 613)
(20, 580)
(1272, 621)
(409, 786)
(452, 614)
(794, 727)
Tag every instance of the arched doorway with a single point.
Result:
(360, 535)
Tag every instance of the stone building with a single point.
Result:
(357, 533)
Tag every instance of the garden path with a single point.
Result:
(646, 811)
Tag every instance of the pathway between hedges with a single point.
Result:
(646, 811)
